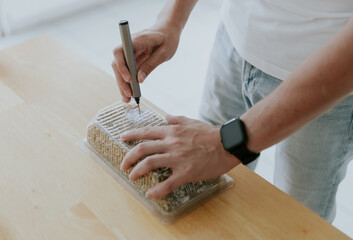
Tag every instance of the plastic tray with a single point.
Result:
(205, 190)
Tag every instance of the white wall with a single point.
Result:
(19, 14)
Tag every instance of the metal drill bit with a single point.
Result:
(137, 99)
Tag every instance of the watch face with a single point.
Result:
(233, 135)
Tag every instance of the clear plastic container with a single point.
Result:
(104, 144)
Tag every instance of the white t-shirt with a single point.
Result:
(277, 35)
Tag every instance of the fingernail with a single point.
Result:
(123, 135)
(148, 193)
(126, 78)
(142, 77)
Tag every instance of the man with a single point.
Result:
(284, 67)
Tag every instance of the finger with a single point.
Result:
(148, 164)
(145, 133)
(140, 59)
(121, 64)
(141, 150)
(150, 64)
(177, 120)
(124, 87)
(163, 188)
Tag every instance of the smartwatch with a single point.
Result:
(234, 139)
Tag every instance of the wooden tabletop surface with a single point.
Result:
(51, 189)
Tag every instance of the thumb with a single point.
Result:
(150, 64)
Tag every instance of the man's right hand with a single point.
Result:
(152, 47)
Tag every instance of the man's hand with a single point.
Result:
(152, 47)
(191, 148)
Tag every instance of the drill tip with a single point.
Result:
(137, 99)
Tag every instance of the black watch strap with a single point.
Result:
(245, 155)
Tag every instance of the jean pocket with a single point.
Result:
(252, 81)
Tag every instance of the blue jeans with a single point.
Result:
(309, 164)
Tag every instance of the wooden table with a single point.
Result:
(52, 189)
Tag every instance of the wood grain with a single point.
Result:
(8, 98)
(52, 189)
(83, 220)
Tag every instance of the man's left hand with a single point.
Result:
(191, 148)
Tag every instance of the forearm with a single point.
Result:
(175, 13)
(314, 86)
